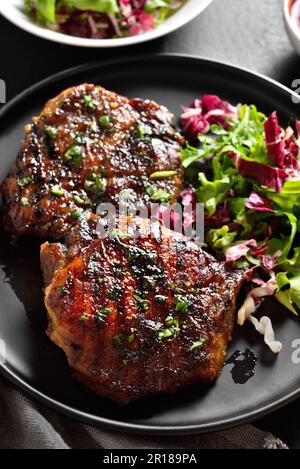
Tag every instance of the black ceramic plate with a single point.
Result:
(40, 368)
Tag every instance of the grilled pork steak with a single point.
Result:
(87, 146)
(142, 316)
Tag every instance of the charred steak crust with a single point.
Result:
(87, 146)
(138, 317)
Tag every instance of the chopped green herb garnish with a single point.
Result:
(24, 201)
(104, 121)
(74, 155)
(135, 254)
(182, 305)
(22, 182)
(174, 287)
(163, 174)
(131, 338)
(62, 290)
(88, 184)
(51, 131)
(197, 344)
(117, 340)
(100, 281)
(160, 298)
(83, 318)
(150, 281)
(76, 214)
(158, 195)
(93, 126)
(101, 315)
(57, 190)
(79, 200)
(170, 321)
(140, 130)
(89, 102)
(164, 334)
(82, 199)
(82, 139)
(96, 184)
(120, 234)
(142, 302)
(100, 318)
(172, 329)
(112, 295)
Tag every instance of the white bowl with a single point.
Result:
(12, 10)
(291, 27)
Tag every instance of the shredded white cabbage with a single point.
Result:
(255, 298)
(251, 304)
(265, 328)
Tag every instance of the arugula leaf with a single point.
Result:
(290, 295)
(46, 9)
(212, 193)
(239, 214)
(100, 6)
(287, 199)
(221, 238)
(290, 278)
(152, 5)
(284, 299)
(284, 244)
(191, 154)
(246, 138)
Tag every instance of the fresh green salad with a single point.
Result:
(245, 170)
(102, 19)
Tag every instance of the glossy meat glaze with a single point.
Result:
(139, 316)
(87, 146)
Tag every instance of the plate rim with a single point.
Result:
(112, 424)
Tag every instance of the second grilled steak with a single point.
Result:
(139, 316)
(87, 146)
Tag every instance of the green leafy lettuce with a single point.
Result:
(223, 187)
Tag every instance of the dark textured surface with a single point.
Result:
(248, 33)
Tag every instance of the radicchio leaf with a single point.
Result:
(203, 113)
(189, 201)
(238, 250)
(258, 203)
(220, 218)
(264, 174)
(282, 147)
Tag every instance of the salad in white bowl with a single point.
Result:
(101, 23)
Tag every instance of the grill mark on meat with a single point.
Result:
(121, 355)
(68, 146)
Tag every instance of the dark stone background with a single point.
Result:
(248, 33)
